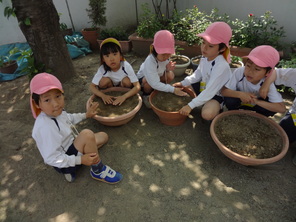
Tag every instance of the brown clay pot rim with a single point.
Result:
(186, 89)
(116, 118)
(243, 159)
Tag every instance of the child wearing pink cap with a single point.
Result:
(242, 90)
(156, 72)
(58, 141)
(212, 73)
(114, 70)
(286, 77)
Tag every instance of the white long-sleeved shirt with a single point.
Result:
(125, 70)
(287, 77)
(214, 73)
(238, 82)
(54, 140)
(152, 70)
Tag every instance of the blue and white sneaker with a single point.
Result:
(70, 177)
(107, 175)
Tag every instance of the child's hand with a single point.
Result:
(107, 99)
(170, 66)
(179, 92)
(247, 97)
(89, 159)
(185, 110)
(92, 109)
(118, 100)
(178, 84)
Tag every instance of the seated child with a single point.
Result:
(286, 77)
(58, 141)
(212, 73)
(242, 90)
(114, 71)
(156, 72)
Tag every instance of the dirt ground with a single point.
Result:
(170, 173)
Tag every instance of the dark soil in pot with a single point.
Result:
(249, 136)
(109, 110)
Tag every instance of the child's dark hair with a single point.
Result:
(222, 46)
(154, 52)
(36, 98)
(106, 49)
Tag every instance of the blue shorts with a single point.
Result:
(71, 151)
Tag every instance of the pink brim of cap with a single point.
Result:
(257, 61)
(210, 39)
(165, 51)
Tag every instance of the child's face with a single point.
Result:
(163, 57)
(52, 102)
(112, 60)
(254, 73)
(210, 51)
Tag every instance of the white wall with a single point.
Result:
(123, 13)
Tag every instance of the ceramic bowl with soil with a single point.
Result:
(111, 115)
(249, 138)
(166, 106)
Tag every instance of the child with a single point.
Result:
(286, 77)
(157, 71)
(58, 141)
(242, 90)
(212, 73)
(114, 71)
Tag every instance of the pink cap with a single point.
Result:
(264, 56)
(216, 33)
(164, 42)
(42, 83)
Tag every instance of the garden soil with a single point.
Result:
(171, 173)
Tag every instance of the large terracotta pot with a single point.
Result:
(169, 118)
(91, 35)
(248, 161)
(118, 120)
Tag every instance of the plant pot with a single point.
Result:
(235, 65)
(9, 68)
(182, 62)
(239, 51)
(244, 160)
(169, 118)
(91, 35)
(195, 62)
(67, 32)
(118, 120)
(126, 46)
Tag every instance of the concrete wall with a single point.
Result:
(123, 13)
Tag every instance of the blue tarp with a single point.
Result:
(80, 49)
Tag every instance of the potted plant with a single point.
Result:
(195, 62)
(255, 31)
(118, 33)
(182, 62)
(96, 13)
(236, 62)
(8, 65)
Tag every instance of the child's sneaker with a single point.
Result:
(146, 101)
(107, 175)
(70, 177)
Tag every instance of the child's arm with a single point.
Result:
(274, 107)
(245, 97)
(106, 99)
(120, 99)
(263, 92)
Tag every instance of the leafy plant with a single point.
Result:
(288, 63)
(7, 59)
(63, 26)
(256, 31)
(96, 12)
(116, 32)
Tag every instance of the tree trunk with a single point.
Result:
(44, 36)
